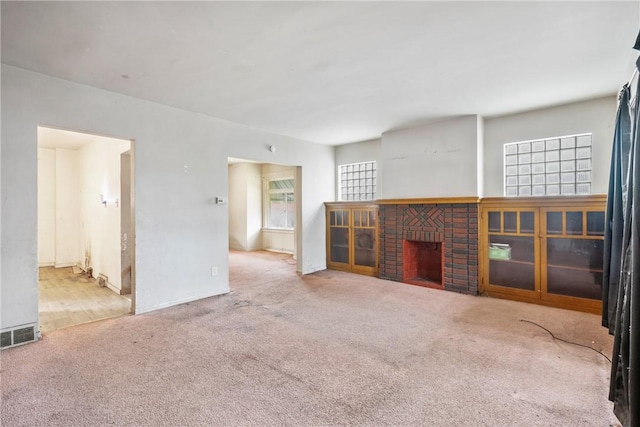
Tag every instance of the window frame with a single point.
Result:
(267, 192)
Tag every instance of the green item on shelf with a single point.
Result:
(499, 251)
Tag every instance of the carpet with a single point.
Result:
(324, 349)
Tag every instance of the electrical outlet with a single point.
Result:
(221, 200)
(214, 271)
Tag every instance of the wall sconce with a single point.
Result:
(105, 202)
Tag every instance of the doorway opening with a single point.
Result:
(85, 228)
(264, 208)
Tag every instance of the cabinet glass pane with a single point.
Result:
(574, 223)
(512, 261)
(494, 222)
(364, 250)
(574, 267)
(510, 222)
(372, 219)
(339, 250)
(332, 218)
(554, 222)
(595, 223)
(526, 222)
(356, 218)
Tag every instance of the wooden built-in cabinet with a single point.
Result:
(547, 250)
(352, 243)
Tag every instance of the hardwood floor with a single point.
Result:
(67, 298)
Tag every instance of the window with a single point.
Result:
(280, 207)
(548, 167)
(357, 181)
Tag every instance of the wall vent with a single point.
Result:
(5, 339)
(23, 335)
(17, 336)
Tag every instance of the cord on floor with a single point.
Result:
(568, 342)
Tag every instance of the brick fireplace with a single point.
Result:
(430, 244)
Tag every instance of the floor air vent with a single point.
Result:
(17, 336)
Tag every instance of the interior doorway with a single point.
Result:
(264, 208)
(86, 256)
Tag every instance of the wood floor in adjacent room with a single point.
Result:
(68, 298)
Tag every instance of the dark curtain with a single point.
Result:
(621, 278)
(615, 210)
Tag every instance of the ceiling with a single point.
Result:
(331, 72)
(57, 138)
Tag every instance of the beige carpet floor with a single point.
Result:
(329, 348)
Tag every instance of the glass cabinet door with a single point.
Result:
(512, 250)
(364, 235)
(352, 238)
(573, 253)
(339, 236)
(544, 250)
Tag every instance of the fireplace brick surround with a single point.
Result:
(453, 225)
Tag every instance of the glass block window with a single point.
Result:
(358, 181)
(548, 167)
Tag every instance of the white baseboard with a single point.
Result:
(114, 288)
(280, 251)
(64, 264)
(241, 249)
(140, 310)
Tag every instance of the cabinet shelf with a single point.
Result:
(568, 267)
(513, 261)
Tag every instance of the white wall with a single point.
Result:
(254, 206)
(595, 116)
(180, 165)
(237, 207)
(67, 207)
(435, 160)
(468, 161)
(358, 152)
(58, 207)
(245, 206)
(100, 230)
(480, 158)
(46, 207)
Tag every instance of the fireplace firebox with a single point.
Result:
(423, 264)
